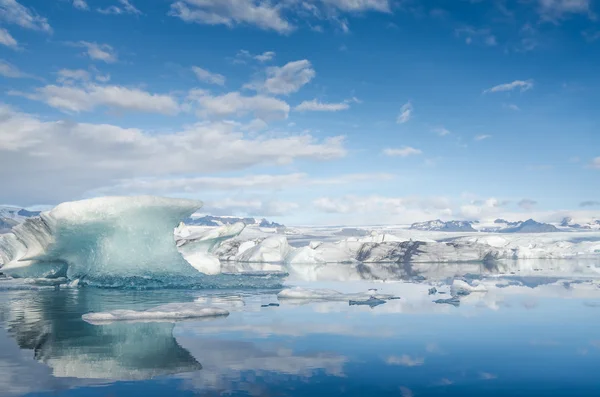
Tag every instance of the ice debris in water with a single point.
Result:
(372, 302)
(462, 288)
(454, 301)
(299, 293)
(163, 313)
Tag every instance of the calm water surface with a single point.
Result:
(527, 337)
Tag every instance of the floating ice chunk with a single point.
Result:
(164, 313)
(299, 293)
(461, 288)
(372, 302)
(454, 301)
(100, 237)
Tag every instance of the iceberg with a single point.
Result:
(104, 239)
(163, 313)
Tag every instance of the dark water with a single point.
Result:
(520, 338)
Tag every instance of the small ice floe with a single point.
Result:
(270, 305)
(306, 294)
(372, 302)
(454, 301)
(164, 313)
(432, 291)
(462, 288)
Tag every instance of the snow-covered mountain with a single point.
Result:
(12, 216)
(570, 223)
(441, 226)
(499, 226)
(209, 220)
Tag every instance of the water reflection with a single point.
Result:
(521, 329)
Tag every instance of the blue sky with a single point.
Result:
(322, 111)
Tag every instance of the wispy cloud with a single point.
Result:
(522, 85)
(527, 204)
(7, 40)
(590, 203)
(482, 137)
(595, 163)
(441, 131)
(405, 360)
(14, 13)
(98, 52)
(208, 77)
(316, 106)
(81, 5)
(405, 113)
(125, 8)
(404, 151)
(11, 71)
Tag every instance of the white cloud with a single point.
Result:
(125, 8)
(404, 151)
(246, 183)
(235, 104)
(517, 84)
(405, 113)
(7, 40)
(405, 360)
(441, 131)
(478, 36)
(11, 71)
(81, 157)
(317, 106)
(265, 56)
(286, 79)
(231, 12)
(13, 12)
(527, 204)
(595, 163)
(360, 5)
(482, 137)
(72, 75)
(90, 96)
(249, 207)
(556, 9)
(208, 77)
(100, 52)
(80, 5)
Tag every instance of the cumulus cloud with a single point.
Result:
(405, 113)
(265, 56)
(557, 9)
(405, 360)
(316, 106)
(235, 104)
(125, 8)
(517, 84)
(286, 79)
(14, 13)
(263, 15)
(404, 151)
(90, 96)
(208, 77)
(81, 157)
(80, 5)
(7, 40)
(98, 52)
